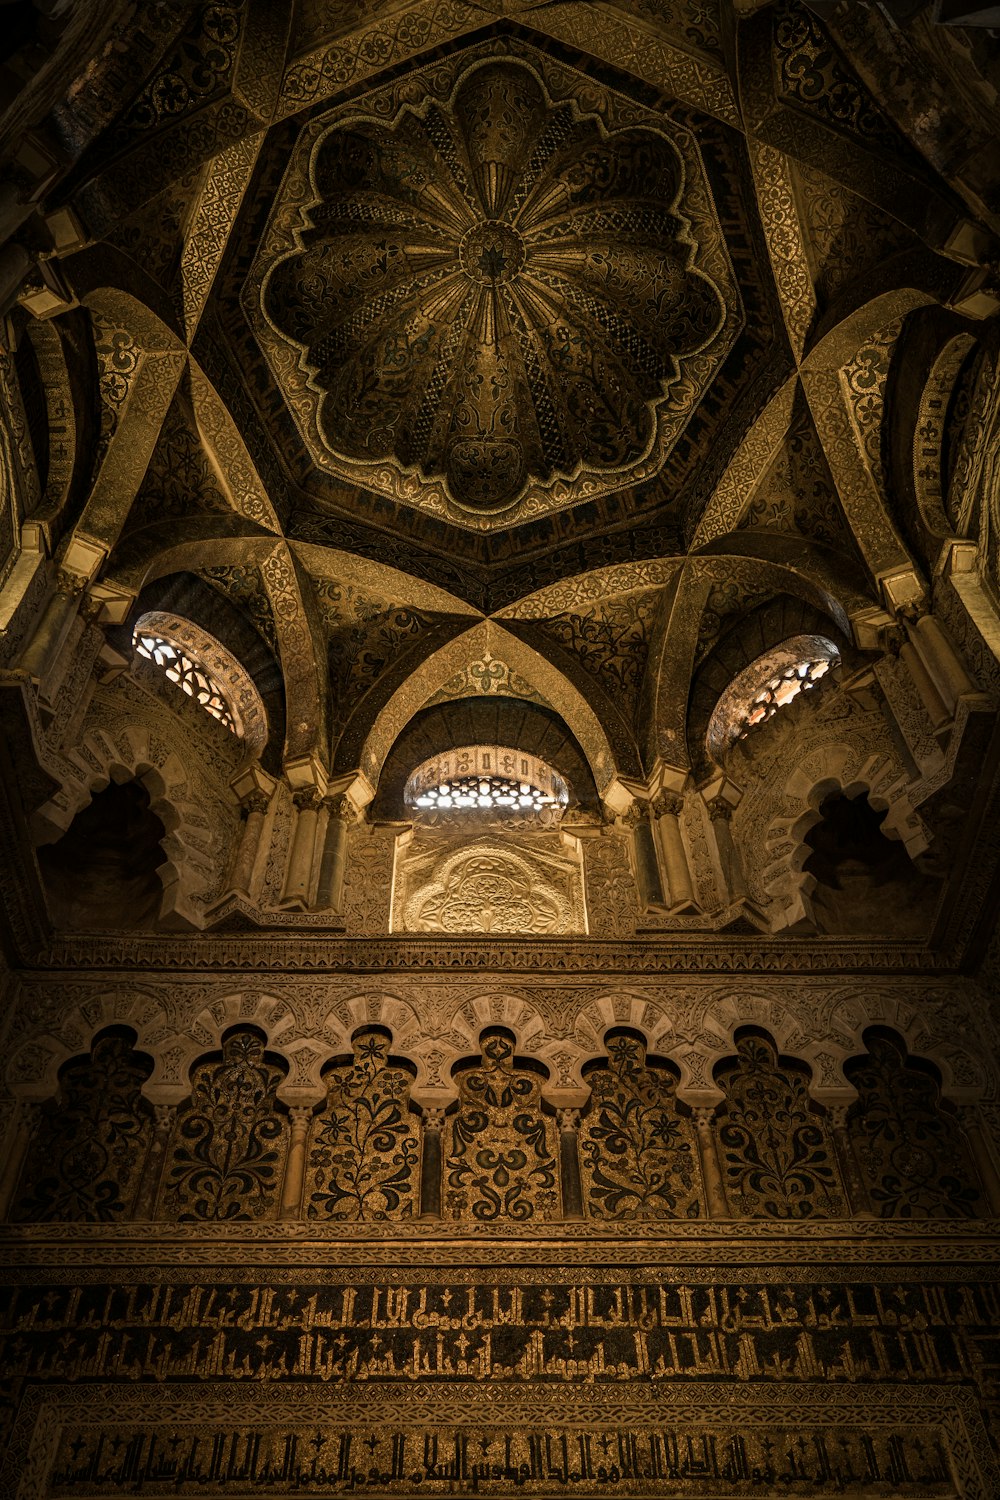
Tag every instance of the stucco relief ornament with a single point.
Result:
(495, 294)
(487, 892)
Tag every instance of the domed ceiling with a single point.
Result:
(498, 301)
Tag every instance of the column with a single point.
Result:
(942, 661)
(18, 1141)
(43, 648)
(569, 1163)
(333, 864)
(721, 811)
(163, 1124)
(666, 810)
(431, 1164)
(929, 695)
(850, 1172)
(982, 1156)
(298, 875)
(253, 811)
(715, 1193)
(647, 872)
(295, 1164)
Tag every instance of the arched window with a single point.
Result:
(488, 779)
(768, 684)
(205, 670)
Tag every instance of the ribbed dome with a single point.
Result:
(494, 291)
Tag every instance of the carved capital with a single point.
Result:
(307, 798)
(719, 810)
(434, 1119)
(704, 1117)
(667, 805)
(569, 1119)
(163, 1119)
(633, 815)
(300, 1115)
(256, 802)
(69, 583)
(340, 806)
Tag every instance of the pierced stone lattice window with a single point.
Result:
(781, 689)
(768, 684)
(486, 778)
(180, 668)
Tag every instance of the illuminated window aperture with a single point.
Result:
(486, 779)
(192, 678)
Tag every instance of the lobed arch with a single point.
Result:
(134, 753)
(830, 768)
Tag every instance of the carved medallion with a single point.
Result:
(492, 301)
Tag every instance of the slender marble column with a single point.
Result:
(431, 1165)
(850, 1172)
(983, 1157)
(163, 1123)
(298, 875)
(18, 1141)
(43, 648)
(295, 1164)
(715, 1193)
(666, 810)
(254, 811)
(721, 811)
(333, 865)
(569, 1164)
(935, 705)
(647, 871)
(942, 661)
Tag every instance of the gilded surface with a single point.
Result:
(499, 1146)
(637, 1151)
(498, 293)
(364, 1147)
(224, 1160)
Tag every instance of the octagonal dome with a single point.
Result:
(494, 302)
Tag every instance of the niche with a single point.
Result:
(102, 873)
(865, 882)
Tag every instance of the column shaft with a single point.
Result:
(254, 811)
(982, 1155)
(299, 873)
(431, 1164)
(850, 1172)
(18, 1141)
(569, 1164)
(715, 1193)
(145, 1203)
(295, 1164)
(666, 812)
(60, 612)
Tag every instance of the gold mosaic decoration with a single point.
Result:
(495, 302)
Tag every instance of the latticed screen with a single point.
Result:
(178, 667)
(485, 791)
(782, 688)
(486, 777)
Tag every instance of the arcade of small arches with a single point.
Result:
(238, 1143)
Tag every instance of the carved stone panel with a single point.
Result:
(910, 1150)
(638, 1157)
(86, 1158)
(455, 882)
(777, 1158)
(499, 1148)
(228, 1147)
(364, 1146)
